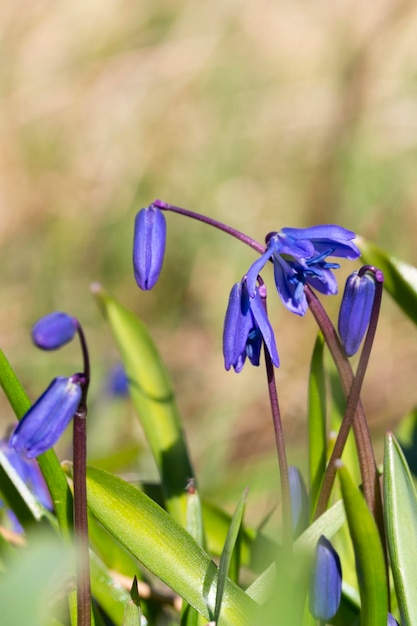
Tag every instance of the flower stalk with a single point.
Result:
(354, 413)
(80, 495)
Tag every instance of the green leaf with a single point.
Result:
(226, 556)
(153, 397)
(400, 508)
(317, 421)
(164, 547)
(48, 462)
(133, 614)
(370, 564)
(400, 278)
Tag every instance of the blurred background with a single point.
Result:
(263, 114)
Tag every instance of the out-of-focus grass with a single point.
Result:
(263, 114)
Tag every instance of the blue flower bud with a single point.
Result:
(54, 330)
(392, 621)
(355, 310)
(326, 582)
(299, 500)
(41, 427)
(118, 382)
(149, 246)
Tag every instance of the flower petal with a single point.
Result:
(237, 325)
(336, 239)
(265, 327)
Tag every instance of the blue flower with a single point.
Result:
(149, 246)
(54, 330)
(246, 327)
(355, 310)
(391, 620)
(29, 472)
(118, 382)
(300, 256)
(326, 582)
(41, 427)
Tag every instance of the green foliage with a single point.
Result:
(401, 523)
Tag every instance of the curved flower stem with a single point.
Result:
(80, 495)
(164, 206)
(354, 414)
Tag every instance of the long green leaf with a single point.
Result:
(368, 553)
(164, 547)
(400, 508)
(153, 397)
(400, 278)
(226, 556)
(48, 462)
(317, 421)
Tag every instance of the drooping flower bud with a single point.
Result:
(41, 427)
(299, 500)
(148, 246)
(54, 330)
(355, 310)
(326, 582)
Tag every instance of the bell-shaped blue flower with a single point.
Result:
(54, 330)
(246, 327)
(355, 310)
(41, 427)
(326, 582)
(299, 500)
(392, 621)
(300, 256)
(149, 246)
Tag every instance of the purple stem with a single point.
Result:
(80, 496)
(164, 206)
(354, 413)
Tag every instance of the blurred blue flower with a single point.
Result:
(41, 427)
(149, 246)
(29, 472)
(118, 382)
(326, 582)
(392, 621)
(355, 310)
(299, 500)
(300, 256)
(246, 327)
(54, 330)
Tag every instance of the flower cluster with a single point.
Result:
(300, 258)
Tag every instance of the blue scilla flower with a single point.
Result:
(54, 330)
(300, 256)
(246, 327)
(326, 582)
(355, 310)
(392, 621)
(149, 246)
(41, 427)
(29, 472)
